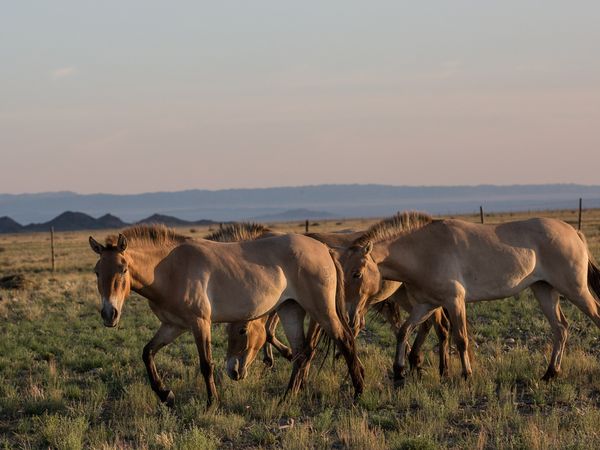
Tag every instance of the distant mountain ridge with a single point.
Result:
(348, 200)
(171, 221)
(295, 214)
(76, 221)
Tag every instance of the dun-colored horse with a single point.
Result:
(246, 338)
(190, 284)
(451, 262)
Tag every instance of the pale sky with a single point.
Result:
(134, 96)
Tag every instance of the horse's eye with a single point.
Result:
(124, 271)
(357, 274)
(243, 331)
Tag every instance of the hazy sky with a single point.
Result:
(134, 96)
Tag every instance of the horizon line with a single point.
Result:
(303, 186)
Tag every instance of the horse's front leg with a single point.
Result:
(268, 354)
(164, 336)
(201, 330)
(419, 314)
(271, 326)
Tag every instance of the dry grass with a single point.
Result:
(69, 383)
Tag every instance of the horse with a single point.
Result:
(192, 283)
(453, 262)
(246, 338)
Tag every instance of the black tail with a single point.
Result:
(594, 277)
(593, 274)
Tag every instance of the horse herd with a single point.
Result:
(253, 278)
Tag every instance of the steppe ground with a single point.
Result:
(68, 382)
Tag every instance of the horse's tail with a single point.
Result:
(322, 341)
(593, 273)
(340, 300)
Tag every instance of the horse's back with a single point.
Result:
(498, 259)
(257, 275)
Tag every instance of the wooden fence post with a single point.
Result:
(52, 249)
(481, 213)
(579, 219)
(306, 225)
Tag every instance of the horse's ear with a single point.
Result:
(96, 246)
(368, 248)
(122, 243)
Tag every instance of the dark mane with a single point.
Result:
(151, 234)
(243, 231)
(392, 227)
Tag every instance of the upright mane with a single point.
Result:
(392, 227)
(155, 234)
(243, 231)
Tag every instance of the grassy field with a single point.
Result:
(69, 382)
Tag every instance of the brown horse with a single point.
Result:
(245, 338)
(452, 262)
(190, 284)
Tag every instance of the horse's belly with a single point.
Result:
(503, 276)
(249, 299)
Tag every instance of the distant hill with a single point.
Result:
(344, 200)
(73, 221)
(76, 221)
(171, 221)
(7, 225)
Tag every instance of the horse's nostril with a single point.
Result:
(114, 314)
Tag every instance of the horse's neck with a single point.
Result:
(144, 261)
(395, 259)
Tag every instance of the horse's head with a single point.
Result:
(245, 339)
(362, 281)
(114, 281)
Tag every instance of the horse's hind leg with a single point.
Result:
(442, 329)
(164, 336)
(201, 330)
(548, 298)
(415, 357)
(345, 342)
(458, 319)
(292, 318)
(584, 300)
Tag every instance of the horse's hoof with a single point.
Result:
(168, 398)
(357, 395)
(268, 362)
(399, 382)
(550, 375)
(419, 371)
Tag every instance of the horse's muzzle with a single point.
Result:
(235, 370)
(110, 315)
